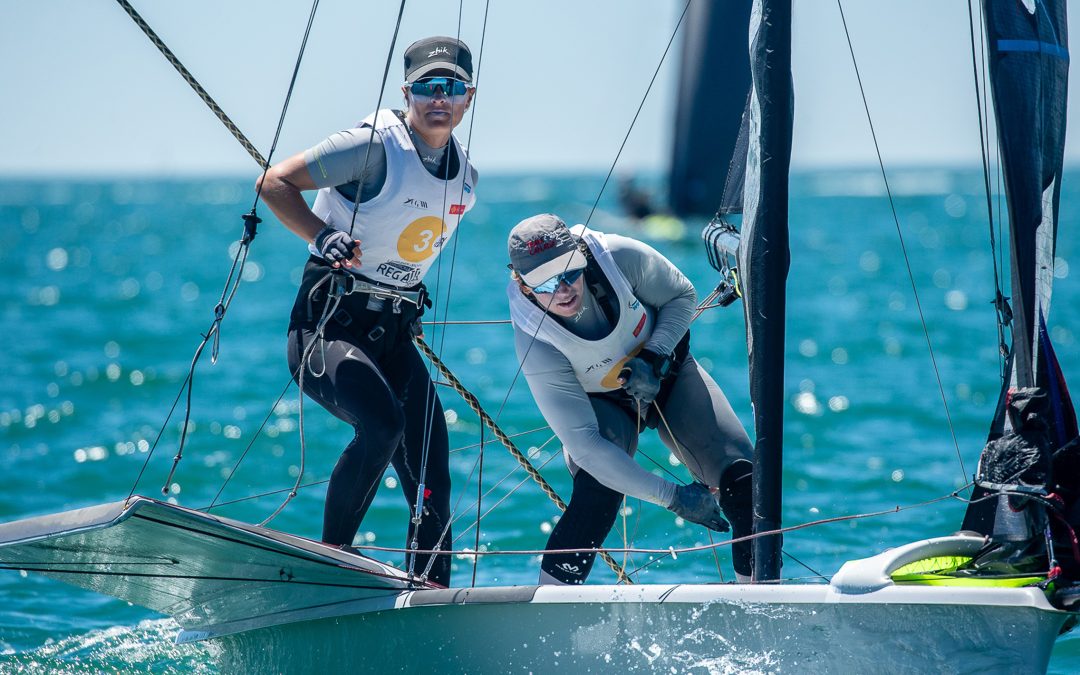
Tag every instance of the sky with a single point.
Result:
(559, 81)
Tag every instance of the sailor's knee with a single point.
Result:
(736, 492)
(385, 432)
(618, 436)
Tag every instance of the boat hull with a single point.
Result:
(270, 602)
(662, 629)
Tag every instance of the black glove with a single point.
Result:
(639, 379)
(335, 246)
(695, 503)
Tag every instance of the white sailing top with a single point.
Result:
(595, 362)
(403, 229)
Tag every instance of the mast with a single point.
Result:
(764, 259)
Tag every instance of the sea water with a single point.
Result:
(108, 287)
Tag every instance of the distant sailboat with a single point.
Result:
(705, 125)
(275, 602)
(714, 65)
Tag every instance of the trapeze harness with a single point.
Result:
(402, 230)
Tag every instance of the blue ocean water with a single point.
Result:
(107, 287)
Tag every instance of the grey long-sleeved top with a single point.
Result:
(560, 396)
(339, 161)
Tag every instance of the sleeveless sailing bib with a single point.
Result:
(403, 229)
(596, 362)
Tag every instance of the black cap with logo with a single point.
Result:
(438, 57)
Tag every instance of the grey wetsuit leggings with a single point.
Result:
(699, 427)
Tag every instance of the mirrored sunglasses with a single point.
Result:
(448, 86)
(552, 284)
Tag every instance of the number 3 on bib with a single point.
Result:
(417, 241)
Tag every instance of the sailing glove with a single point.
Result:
(695, 503)
(335, 246)
(639, 378)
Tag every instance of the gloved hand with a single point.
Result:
(335, 246)
(639, 380)
(695, 503)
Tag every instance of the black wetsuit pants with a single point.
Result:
(382, 389)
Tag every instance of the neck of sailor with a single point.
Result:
(434, 118)
(565, 301)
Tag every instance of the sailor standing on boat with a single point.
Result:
(391, 193)
(601, 327)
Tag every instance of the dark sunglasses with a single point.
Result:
(552, 284)
(449, 87)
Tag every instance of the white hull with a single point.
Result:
(715, 629)
(271, 602)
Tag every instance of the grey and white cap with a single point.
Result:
(543, 246)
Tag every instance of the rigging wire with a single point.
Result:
(955, 494)
(483, 322)
(522, 482)
(674, 552)
(903, 245)
(431, 403)
(331, 305)
(378, 107)
(325, 480)
(305, 363)
(479, 504)
(817, 575)
(641, 105)
(190, 79)
(699, 548)
(506, 496)
(681, 449)
(1000, 301)
(250, 445)
(446, 528)
(474, 404)
(656, 71)
(251, 220)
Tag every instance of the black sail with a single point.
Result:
(1027, 43)
(764, 259)
(714, 64)
(1029, 69)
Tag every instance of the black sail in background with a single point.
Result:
(1027, 42)
(713, 78)
(764, 259)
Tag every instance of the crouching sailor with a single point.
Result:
(601, 330)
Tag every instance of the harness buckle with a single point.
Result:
(342, 284)
(375, 333)
(343, 317)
